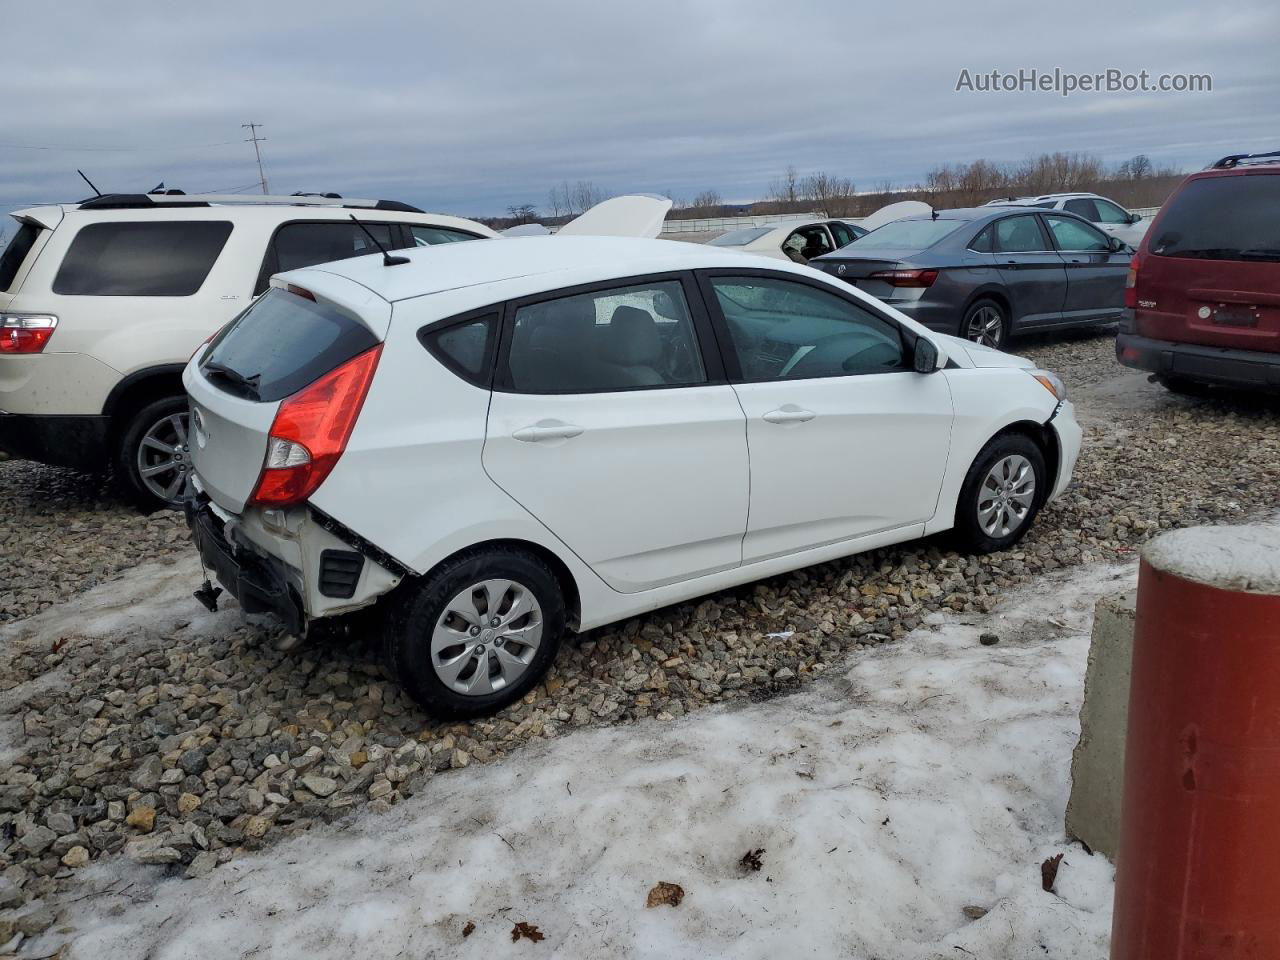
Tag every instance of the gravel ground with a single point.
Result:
(132, 722)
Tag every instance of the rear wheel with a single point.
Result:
(1186, 388)
(986, 323)
(477, 634)
(153, 457)
(1001, 495)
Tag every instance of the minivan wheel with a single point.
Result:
(153, 458)
(1001, 495)
(477, 634)
(986, 323)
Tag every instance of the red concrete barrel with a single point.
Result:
(1198, 873)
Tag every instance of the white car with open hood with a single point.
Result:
(494, 442)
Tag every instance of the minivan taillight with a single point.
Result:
(906, 278)
(1131, 283)
(25, 333)
(310, 432)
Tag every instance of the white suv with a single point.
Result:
(1106, 215)
(103, 302)
(494, 441)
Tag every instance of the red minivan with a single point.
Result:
(1203, 294)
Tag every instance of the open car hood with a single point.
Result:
(895, 211)
(632, 215)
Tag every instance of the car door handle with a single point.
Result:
(789, 414)
(547, 430)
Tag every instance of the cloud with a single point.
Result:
(467, 108)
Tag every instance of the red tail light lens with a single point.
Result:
(310, 432)
(1131, 283)
(24, 333)
(906, 278)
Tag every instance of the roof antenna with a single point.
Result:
(387, 259)
(89, 182)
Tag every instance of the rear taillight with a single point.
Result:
(25, 333)
(906, 278)
(310, 432)
(1131, 283)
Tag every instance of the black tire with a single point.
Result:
(971, 316)
(412, 620)
(128, 470)
(969, 530)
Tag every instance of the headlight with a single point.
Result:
(1051, 382)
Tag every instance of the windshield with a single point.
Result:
(908, 234)
(740, 238)
(1222, 218)
(280, 344)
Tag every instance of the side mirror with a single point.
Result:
(1135, 217)
(926, 358)
(1116, 245)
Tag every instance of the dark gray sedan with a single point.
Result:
(985, 273)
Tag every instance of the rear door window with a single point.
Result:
(428, 236)
(1020, 235)
(282, 343)
(1082, 207)
(1222, 218)
(299, 245)
(15, 252)
(157, 258)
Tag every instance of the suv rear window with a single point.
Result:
(158, 258)
(15, 252)
(282, 343)
(1222, 218)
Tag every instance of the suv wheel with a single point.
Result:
(477, 634)
(1001, 495)
(153, 458)
(986, 323)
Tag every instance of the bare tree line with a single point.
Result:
(1136, 182)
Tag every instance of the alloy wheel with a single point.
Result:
(1006, 496)
(486, 637)
(986, 326)
(164, 457)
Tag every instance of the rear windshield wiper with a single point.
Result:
(1260, 253)
(249, 384)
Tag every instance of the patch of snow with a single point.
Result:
(1242, 558)
(930, 776)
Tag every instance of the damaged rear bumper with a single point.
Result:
(296, 564)
(260, 583)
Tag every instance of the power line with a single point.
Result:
(255, 140)
(107, 149)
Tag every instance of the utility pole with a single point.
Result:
(255, 140)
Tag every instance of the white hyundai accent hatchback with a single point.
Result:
(493, 442)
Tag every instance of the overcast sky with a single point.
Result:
(470, 107)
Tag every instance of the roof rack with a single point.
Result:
(135, 201)
(1236, 159)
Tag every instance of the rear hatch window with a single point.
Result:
(282, 343)
(1222, 218)
(15, 253)
(908, 234)
(159, 258)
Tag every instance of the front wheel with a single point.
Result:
(986, 323)
(477, 634)
(1001, 495)
(153, 457)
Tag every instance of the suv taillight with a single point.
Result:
(1131, 283)
(25, 333)
(310, 432)
(906, 278)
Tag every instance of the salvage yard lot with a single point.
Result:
(119, 695)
